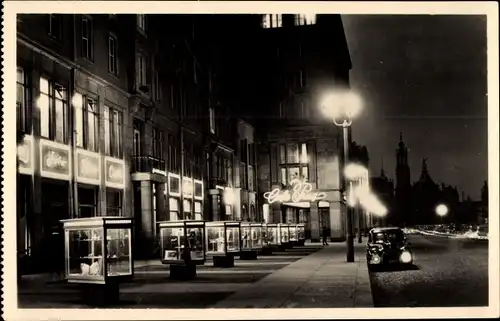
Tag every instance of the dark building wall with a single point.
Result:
(293, 68)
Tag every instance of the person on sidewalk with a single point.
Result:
(325, 233)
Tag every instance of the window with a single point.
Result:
(251, 178)
(229, 170)
(293, 162)
(53, 111)
(292, 152)
(113, 202)
(198, 212)
(21, 98)
(87, 201)
(157, 143)
(172, 153)
(305, 19)
(243, 150)
(112, 65)
(87, 38)
(186, 207)
(212, 120)
(157, 86)
(251, 154)
(113, 121)
(272, 21)
(141, 23)
(141, 70)
(55, 26)
(243, 175)
(302, 79)
(86, 122)
(173, 209)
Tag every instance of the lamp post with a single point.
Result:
(342, 106)
(358, 174)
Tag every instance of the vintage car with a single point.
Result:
(388, 245)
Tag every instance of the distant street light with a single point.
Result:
(342, 106)
(441, 211)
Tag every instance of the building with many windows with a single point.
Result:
(300, 58)
(169, 117)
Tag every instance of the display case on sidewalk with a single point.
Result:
(284, 235)
(98, 251)
(301, 234)
(222, 241)
(272, 235)
(293, 235)
(182, 242)
(251, 240)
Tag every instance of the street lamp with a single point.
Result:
(342, 106)
(359, 174)
(441, 211)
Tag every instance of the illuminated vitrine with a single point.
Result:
(98, 249)
(293, 235)
(272, 237)
(222, 238)
(182, 242)
(251, 236)
(284, 233)
(301, 234)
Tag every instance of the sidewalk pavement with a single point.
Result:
(321, 280)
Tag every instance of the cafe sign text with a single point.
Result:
(54, 159)
(300, 192)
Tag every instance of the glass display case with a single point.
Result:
(293, 233)
(222, 238)
(284, 235)
(98, 249)
(251, 236)
(182, 242)
(301, 234)
(272, 237)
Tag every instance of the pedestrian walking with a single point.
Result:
(325, 233)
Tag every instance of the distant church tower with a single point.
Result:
(402, 167)
(403, 184)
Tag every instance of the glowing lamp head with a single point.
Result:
(341, 103)
(441, 210)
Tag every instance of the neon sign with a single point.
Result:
(301, 191)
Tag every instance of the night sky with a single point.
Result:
(424, 76)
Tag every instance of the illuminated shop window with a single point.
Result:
(272, 21)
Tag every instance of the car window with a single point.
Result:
(395, 235)
(379, 237)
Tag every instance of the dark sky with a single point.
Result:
(425, 76)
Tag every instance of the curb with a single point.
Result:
(363, 292)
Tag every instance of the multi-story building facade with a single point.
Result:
(125, 115)
(158, 119)
(72, 105)
(300, 59)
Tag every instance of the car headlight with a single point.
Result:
(405, 257)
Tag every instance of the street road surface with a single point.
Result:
(152, 287)
(447, 273)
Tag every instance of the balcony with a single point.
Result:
(147, 164)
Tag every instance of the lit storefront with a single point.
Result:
(301, 204)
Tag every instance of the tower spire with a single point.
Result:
(401, 136)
